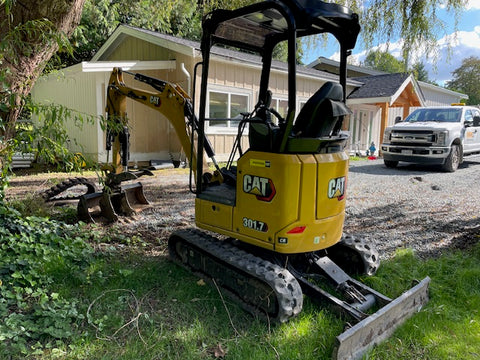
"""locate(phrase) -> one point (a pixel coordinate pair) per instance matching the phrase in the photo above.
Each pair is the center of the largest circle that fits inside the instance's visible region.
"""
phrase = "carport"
(387, 91)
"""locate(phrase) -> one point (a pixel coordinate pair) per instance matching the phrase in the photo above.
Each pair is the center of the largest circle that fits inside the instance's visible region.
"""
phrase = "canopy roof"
(255, 26)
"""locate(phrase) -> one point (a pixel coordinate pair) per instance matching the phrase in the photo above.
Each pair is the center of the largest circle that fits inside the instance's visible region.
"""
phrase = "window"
(225, 109)
(281, 106)
(468, 115)
(435, 114)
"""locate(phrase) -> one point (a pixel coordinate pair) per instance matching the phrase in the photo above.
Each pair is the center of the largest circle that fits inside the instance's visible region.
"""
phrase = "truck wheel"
(453, 159)
(390, 163)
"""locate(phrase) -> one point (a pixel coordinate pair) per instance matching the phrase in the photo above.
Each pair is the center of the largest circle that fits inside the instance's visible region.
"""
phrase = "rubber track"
(49, 195)
(280, 281)
(368, 254)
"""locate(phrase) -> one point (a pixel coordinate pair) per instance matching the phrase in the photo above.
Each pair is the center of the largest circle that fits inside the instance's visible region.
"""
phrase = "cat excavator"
(269, 226)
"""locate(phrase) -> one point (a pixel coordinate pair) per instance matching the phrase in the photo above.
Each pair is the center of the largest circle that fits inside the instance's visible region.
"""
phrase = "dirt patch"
(171, 204)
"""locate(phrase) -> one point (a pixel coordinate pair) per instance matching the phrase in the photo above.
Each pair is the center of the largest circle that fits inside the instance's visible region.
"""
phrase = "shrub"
(37, 255)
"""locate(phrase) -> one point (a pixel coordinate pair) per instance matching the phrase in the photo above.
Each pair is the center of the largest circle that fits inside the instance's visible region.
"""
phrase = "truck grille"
(412, 137)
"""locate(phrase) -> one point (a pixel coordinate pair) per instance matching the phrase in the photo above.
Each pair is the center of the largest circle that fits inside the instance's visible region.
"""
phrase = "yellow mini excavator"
(280, 211)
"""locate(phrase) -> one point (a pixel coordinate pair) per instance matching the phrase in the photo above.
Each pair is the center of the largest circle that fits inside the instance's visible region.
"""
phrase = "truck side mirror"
(398, 119)
(476, 121)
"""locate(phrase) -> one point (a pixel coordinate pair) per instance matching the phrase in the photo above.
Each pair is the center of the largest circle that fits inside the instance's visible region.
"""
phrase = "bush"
(37, 255)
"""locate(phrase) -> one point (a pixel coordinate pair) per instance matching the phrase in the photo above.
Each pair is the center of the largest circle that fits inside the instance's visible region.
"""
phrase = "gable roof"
(192, 48)
(387, 88)
(180, 45)
(330, 65)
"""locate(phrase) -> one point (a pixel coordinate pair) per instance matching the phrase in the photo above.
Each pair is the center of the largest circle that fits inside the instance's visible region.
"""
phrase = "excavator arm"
(169, 99)
(119, 197)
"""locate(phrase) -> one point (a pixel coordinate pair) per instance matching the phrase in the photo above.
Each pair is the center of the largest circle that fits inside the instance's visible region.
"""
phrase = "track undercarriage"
(269, 285)
(258, 286)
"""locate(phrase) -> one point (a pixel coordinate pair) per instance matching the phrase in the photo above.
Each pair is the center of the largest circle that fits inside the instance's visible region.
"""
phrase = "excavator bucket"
(95, 205)
(134, 194)
(355, 341)
(127, 201)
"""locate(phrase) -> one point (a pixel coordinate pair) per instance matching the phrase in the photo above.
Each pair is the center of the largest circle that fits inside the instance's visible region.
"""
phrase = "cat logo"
(155, 100)
(261, 187)
(336, 188)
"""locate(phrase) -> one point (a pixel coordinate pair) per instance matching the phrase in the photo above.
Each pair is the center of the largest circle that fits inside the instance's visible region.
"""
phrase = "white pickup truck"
(433, 135)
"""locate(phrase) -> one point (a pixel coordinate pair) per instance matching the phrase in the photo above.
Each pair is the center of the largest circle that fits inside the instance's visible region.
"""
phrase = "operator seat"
(320, 119)
(322, 114)
(264, 134)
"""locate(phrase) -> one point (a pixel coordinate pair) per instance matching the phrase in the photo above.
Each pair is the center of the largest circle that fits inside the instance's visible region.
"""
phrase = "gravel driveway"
(414, 206)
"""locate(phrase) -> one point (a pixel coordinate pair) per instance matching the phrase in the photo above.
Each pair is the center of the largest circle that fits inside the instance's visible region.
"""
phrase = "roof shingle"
(378, 85)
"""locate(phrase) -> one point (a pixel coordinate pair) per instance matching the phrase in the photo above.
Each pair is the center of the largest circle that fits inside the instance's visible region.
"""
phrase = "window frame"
(229, 91)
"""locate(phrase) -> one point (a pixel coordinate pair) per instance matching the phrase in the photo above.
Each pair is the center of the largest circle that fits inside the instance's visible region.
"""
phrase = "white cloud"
(450, 52)
(473, 5)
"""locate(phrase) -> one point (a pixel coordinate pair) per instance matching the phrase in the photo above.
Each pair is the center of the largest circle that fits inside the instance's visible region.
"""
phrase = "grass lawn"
(138, 307)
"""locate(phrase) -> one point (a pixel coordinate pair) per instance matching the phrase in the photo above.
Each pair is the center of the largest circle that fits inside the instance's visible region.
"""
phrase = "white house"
(233, 88)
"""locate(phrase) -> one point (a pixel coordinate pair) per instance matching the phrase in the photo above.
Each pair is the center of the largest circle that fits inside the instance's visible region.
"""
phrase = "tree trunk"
(27, 52)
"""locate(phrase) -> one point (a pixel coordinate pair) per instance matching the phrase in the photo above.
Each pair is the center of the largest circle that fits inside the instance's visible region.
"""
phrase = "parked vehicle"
(434, 135)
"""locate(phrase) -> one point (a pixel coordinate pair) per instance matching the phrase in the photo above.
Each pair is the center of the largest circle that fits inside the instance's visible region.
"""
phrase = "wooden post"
(384, 120)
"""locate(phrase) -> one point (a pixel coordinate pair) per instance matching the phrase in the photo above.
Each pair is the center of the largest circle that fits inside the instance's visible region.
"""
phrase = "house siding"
(436, 98)
(75, 91)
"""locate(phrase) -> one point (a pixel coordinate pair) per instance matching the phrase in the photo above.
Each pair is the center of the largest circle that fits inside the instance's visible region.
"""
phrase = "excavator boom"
(119, 197)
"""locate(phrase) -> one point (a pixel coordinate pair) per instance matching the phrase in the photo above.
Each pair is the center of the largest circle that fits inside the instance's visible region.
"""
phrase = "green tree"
(465, 79)
(415, 22)
(99, 20)
(419, 72)
(31, 31)
(383, 61)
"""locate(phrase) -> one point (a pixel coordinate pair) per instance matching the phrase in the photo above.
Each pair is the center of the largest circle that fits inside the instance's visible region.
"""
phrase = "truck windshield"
(437, 115)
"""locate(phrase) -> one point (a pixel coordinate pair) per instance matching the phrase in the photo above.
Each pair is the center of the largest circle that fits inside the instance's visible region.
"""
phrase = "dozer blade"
(355, 341)
(95, 205)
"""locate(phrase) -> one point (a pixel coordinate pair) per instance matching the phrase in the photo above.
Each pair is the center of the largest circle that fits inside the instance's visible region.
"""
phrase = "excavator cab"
(280, 210)
(289, 194)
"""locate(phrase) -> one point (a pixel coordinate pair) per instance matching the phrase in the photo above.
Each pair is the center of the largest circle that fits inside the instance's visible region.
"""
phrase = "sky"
(464, 43)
